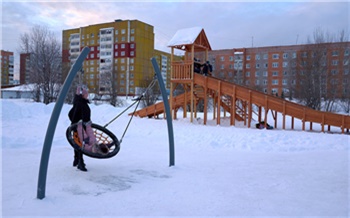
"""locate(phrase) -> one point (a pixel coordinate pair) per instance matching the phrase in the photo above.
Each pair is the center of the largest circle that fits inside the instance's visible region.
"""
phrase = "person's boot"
(81, 166)
(76, 159)
(75, 162)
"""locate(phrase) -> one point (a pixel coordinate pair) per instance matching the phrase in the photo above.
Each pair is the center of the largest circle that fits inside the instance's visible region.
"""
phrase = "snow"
(223, 170)
(185, 36)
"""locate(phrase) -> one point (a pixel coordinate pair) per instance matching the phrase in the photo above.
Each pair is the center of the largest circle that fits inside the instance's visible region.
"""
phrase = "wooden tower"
(189, 41)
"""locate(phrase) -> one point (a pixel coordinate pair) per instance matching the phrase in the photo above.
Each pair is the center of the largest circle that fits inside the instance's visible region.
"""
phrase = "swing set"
(102, 134)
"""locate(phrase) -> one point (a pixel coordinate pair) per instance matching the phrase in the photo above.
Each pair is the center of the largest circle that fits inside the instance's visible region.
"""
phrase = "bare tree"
(45, 62)
(316, 83)
(151, 92)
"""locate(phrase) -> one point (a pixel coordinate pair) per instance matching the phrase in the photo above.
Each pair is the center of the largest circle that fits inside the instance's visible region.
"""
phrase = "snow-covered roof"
(25, 88)
(185, 36)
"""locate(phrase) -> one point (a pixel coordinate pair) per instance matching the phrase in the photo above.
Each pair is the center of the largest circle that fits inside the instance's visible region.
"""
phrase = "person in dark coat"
(80, 112)
(207, 68)
(197, 66)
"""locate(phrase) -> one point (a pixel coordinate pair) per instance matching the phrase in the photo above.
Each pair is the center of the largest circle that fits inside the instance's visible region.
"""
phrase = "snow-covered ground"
(219, 170)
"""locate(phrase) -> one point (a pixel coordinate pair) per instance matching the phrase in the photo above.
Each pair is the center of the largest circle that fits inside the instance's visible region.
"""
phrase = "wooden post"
(191, 104)
(219, 103)
(284, 115)
(233, 106)
(205, 100)
(171, 83)
(250, 109)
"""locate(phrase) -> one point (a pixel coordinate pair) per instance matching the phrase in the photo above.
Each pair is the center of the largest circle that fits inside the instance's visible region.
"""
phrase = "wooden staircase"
(225, 93)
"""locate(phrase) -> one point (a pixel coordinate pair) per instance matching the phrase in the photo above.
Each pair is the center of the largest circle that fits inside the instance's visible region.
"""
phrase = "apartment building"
(24, 68)
(278, 69)
(119, 58)
(7, 68)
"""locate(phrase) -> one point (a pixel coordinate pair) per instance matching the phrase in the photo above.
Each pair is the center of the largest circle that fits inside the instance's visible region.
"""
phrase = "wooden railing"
(270, 102)
(182, 70)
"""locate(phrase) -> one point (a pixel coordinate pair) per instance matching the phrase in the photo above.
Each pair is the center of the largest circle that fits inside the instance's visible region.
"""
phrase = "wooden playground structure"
(236, 100)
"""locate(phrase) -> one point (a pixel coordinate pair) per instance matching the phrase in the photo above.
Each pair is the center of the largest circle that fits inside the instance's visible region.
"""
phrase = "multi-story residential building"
(7, 68)
(24, 68)
(119, 57)
(278, 69)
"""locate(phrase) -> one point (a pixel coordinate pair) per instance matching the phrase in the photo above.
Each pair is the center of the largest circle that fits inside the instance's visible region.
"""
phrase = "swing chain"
(137, 100)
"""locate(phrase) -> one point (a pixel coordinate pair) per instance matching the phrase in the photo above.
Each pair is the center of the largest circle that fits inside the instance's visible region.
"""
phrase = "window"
(92, 55)
(257, 65)
(116, 39)
(132, 31)
(92, 35)
(222, 66)
(247, 66)
(132, 45)
(335, 53)
(92, 48)
(122, 46)
(132, 38)
(131, 68)
(92, 41)
(257, 74)
(132, 53)
(92, 69)
(222, 58)
(346, 53)
(248, 57)
(231, 58)
(265, 56)
(247, 74)
(285, 73)
(285, 64)
(122, 53)
(285, 55)
(294, 55)
(335, 62)
(116, 46)
(265, 82)
(266, 65)
(122, 60)
(131, 60)
(92, 76)
(274, 82)
(304, 54)
(284, 82)
(122, 68)
(257, 57)
(275, 64)
(275, 56)
(116, 54)
(345, 62)
(123, 31)
(265, 73)
(123, 39)
(274, 73)
(116, 32)
(257, 82)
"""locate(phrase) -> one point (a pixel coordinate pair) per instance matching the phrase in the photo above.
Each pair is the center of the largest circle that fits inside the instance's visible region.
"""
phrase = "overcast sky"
(227, 24)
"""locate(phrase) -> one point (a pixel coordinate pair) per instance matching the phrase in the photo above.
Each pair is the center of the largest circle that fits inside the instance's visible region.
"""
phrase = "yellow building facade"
(119, 58)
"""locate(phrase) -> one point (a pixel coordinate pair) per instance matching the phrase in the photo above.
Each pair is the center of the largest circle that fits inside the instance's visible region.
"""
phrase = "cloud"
(227, 24)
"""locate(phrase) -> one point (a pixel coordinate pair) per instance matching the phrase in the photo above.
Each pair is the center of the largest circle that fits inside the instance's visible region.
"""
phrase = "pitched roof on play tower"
(190, 36)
